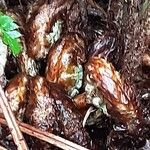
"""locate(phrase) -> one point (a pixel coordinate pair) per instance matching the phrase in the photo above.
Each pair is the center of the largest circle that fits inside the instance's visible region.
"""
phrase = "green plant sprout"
(9, 34)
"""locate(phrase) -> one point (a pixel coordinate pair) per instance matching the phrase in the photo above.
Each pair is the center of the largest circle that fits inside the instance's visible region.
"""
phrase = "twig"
(89, 111)
(2, 148)
(11, 122)
(46, 136)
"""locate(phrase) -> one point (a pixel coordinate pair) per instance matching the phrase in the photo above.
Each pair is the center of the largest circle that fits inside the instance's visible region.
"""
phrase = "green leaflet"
(14, 44)
(13, 34)
(9, 34)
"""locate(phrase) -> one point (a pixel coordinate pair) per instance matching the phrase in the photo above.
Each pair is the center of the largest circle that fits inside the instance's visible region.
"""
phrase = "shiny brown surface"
(64, 61)
(51, 110)
(16, 93)
(117, 94)
(81, 101)
(27, 65)
(108, 43)
(116, 31)
(40, 24)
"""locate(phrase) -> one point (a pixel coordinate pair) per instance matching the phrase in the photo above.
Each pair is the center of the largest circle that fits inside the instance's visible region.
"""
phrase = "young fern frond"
(9, 34)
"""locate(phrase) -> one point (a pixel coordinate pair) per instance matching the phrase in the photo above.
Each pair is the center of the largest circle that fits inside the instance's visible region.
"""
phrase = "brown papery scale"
(27, 65)
(65, 62)
(15, 91)
(117, 94)
(50, 109)
(108, 41)
(42, 24)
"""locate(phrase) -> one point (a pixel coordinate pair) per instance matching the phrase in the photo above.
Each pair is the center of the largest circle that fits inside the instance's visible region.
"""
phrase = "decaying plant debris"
(78, 69)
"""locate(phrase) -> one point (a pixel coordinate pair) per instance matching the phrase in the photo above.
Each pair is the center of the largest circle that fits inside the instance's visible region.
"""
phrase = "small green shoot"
(9, 34)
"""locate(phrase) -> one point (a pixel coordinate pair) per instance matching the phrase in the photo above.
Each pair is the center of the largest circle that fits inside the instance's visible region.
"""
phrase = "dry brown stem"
(11, 122)
(46, 136)
(2, 148)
